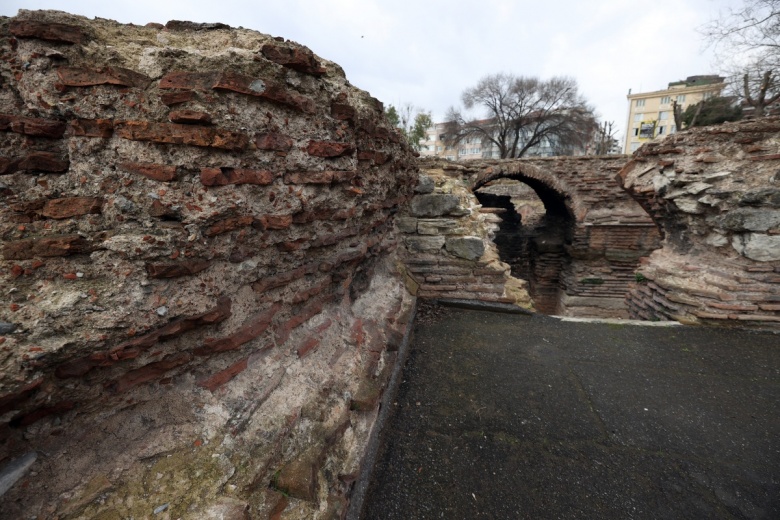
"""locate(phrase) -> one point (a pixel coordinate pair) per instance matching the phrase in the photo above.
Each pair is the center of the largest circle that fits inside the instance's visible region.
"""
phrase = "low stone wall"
(715, 192)
(200, 310)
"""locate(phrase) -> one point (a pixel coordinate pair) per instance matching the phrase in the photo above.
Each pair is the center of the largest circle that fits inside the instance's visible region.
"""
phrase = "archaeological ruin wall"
(199, 307)
(715, 193)
(581, 264)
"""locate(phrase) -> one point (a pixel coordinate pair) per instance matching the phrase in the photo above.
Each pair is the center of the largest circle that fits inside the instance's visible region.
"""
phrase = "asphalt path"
(510, 416)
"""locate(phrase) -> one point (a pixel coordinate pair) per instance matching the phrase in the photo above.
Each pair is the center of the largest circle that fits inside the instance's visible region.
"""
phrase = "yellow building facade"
(650, 114)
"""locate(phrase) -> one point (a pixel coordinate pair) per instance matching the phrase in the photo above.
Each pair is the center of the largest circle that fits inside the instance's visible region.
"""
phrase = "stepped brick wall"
(715, 192)
(199, 311)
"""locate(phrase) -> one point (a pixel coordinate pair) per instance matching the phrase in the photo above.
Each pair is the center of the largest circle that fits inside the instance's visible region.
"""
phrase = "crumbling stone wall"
(447, 250)
(583, 271)
(588, 267)
(199, 311)
(715, 193)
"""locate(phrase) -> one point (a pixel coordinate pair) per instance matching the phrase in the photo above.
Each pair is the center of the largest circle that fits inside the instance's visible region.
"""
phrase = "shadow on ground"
(510, 416)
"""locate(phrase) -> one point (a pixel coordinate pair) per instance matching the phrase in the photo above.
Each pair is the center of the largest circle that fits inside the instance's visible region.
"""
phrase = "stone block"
(62, 245)
(425, 184)
(439, 227)
(470, 248)
(91, 128)
(32, 126)
(757, 246)
(406, 224)
(44, 162)
(223, 376)
(750, 219)
(424, 244)
(434, 205)
(175, 270)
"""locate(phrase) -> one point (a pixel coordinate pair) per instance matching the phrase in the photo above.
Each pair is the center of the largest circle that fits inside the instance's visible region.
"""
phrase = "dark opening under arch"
(536, 248)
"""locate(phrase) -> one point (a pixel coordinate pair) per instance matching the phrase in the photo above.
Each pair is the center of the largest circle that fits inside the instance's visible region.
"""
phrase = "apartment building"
(650, 113)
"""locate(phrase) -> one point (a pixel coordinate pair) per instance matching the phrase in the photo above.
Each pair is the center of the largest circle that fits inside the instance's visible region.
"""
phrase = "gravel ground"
(510, 416)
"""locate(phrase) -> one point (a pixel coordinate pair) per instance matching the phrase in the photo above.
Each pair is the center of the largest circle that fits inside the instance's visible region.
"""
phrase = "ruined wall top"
(585, 184)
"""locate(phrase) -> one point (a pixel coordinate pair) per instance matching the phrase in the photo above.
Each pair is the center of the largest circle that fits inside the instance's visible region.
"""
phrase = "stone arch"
(557, 196)
(604, 231)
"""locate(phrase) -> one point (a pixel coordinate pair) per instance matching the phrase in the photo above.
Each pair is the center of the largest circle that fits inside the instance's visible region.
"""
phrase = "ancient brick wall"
(585, 270)
(198, 310)
(715, 193)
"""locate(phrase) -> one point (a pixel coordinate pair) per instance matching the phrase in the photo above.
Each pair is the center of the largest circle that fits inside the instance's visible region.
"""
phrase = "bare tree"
(521, 113)
(605, 138)
(747, 42)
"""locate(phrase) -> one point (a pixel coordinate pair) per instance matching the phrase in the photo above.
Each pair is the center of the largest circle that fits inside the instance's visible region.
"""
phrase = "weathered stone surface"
(439, 226)
(406, 224)
(750, 219)
(424, 244)
(470, 248)
(425, 184)
(434, 205)
(758, 246)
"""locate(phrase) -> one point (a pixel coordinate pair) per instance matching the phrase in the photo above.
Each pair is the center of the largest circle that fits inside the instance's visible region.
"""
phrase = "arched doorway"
(534, 228)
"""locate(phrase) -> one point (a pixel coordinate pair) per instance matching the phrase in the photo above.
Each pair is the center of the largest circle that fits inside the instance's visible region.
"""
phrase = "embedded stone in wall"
(435, 205)
(470, 248)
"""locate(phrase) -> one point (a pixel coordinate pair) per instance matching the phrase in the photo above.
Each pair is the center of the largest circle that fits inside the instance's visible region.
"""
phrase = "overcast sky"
(426, 52)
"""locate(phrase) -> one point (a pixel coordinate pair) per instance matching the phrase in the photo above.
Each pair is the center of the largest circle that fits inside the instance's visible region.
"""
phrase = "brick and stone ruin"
(212, 245)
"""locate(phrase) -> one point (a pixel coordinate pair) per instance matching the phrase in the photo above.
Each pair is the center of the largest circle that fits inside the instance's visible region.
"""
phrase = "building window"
(660, 130)
(636, 132)
(681, 98)
(673, 129)
(707, 95)
(640, 102)
(438, 148)
(665, 100)
(635, 146)
(663, 116)
(638, 117)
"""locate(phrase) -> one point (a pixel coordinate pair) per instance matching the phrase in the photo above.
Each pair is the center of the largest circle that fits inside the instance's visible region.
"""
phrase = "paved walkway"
(510, 416)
